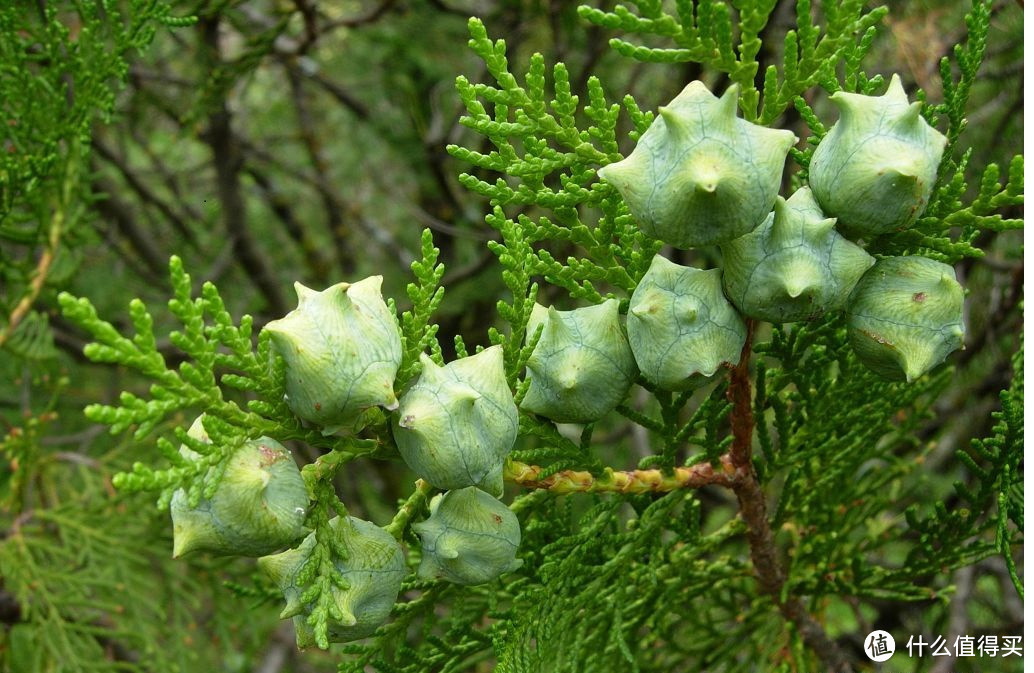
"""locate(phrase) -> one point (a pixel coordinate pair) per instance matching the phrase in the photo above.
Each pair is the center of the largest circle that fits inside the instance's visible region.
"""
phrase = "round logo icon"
(879, 645)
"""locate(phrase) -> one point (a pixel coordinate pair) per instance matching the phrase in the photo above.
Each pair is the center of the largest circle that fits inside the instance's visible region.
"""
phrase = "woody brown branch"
(227, 157)
(754, 511)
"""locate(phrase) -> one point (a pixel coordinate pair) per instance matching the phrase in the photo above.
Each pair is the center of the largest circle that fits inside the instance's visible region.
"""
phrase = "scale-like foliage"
(85, 599)
(703, 33)
(61, 70)
(71, 584)
(629, 576)
(990, 498)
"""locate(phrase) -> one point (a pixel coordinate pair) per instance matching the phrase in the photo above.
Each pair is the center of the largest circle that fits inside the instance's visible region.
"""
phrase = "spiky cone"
(258, 507)
(700, 175)
(342, 349)
(455, 426)
(793, 267)
(905, 316)
(370, 567)
(681, 327)
(582, 366)
(469, 538)
(876, 168)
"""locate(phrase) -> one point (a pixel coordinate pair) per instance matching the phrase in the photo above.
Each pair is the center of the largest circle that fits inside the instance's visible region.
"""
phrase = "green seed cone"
(793, 267)
(681, 327)
(258, 507)
(905, 316)
(371, 568)
(875, 169)
(581, 367)
(342, 349)
(700, 175)
(470, 538)
(457, 423)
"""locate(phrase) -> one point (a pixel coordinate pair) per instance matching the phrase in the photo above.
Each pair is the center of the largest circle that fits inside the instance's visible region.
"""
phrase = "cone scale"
(469, 538)
(258, 507)
(681, 327)
(372, 570)
(581, 367)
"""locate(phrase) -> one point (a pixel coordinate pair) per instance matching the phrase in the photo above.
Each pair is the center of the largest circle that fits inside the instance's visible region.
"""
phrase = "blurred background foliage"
(271, 141)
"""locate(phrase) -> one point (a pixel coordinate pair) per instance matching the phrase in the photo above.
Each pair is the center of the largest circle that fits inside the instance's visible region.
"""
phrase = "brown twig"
(114, 210)
(336, 91)
(35, 287)
(227, 157)
(754, 510)
(369, 17)
(169, 179)
(10, 609)
(958, 615)
(317, 262)
(617, 481)
(742, 417)
(54, 233)
(341, 233)
(144, 192)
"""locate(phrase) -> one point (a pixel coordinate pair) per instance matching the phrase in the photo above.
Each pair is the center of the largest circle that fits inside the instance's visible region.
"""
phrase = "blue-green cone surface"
(581, 367)
(681, 327)
(793, 267)
(258, 507)
(875, 169)
(456, 424)
(905, 316)
(342, 349)
(700, 175)
(470, 538)
(370, 571)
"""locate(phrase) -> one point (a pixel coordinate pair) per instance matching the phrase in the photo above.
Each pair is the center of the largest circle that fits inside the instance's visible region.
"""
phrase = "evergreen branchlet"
(809, 463)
